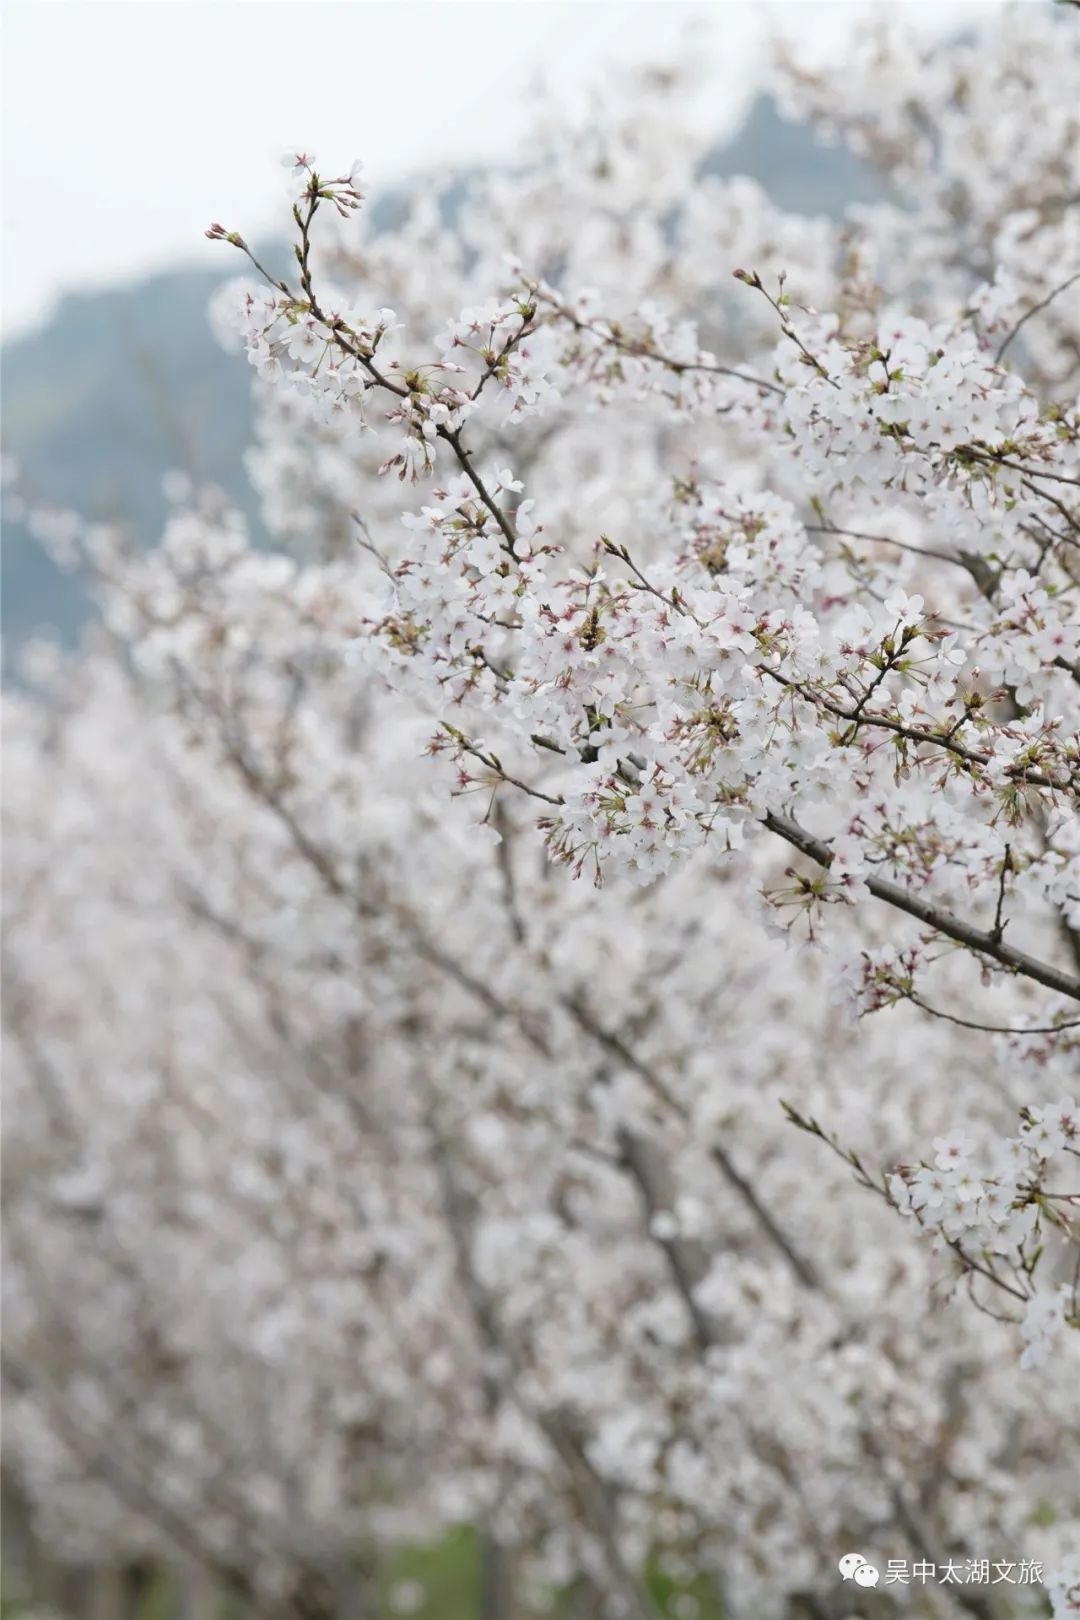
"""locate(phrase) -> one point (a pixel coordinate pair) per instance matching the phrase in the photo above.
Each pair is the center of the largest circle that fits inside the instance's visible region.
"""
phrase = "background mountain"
(122, 385)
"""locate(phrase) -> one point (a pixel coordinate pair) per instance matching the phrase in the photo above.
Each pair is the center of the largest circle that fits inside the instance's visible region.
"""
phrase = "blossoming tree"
(385, 1177)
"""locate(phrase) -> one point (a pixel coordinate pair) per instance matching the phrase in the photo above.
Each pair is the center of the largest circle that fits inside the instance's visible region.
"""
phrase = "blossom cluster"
(996, 1219)
(751, 594)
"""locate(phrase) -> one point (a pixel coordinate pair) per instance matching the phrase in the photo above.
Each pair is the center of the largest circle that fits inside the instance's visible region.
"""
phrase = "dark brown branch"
(935, 917)
(639, 349)
(857, 718)
(990, 1029)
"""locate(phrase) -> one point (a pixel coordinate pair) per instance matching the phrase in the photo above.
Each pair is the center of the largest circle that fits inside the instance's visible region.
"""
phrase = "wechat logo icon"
(854, 1567)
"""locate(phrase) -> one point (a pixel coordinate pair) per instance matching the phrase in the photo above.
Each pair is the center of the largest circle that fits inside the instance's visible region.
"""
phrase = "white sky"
(128, 125)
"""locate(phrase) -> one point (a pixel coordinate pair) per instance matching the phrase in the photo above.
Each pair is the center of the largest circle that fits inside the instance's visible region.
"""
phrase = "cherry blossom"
(375, 1175)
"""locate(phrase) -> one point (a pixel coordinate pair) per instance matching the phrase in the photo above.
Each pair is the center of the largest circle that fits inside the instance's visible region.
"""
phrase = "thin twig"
(1036, 309)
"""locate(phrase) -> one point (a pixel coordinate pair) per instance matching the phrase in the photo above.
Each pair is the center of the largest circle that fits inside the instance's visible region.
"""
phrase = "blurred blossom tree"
(368, 1174)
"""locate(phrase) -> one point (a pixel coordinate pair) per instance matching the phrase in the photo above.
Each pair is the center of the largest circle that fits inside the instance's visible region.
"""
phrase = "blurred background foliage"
(116, 389)
(444, 1581)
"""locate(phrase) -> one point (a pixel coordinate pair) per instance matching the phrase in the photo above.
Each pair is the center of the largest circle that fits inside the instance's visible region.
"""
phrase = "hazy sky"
(129, 124)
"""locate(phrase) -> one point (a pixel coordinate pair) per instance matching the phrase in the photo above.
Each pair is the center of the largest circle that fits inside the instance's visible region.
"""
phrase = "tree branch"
(943, 922)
